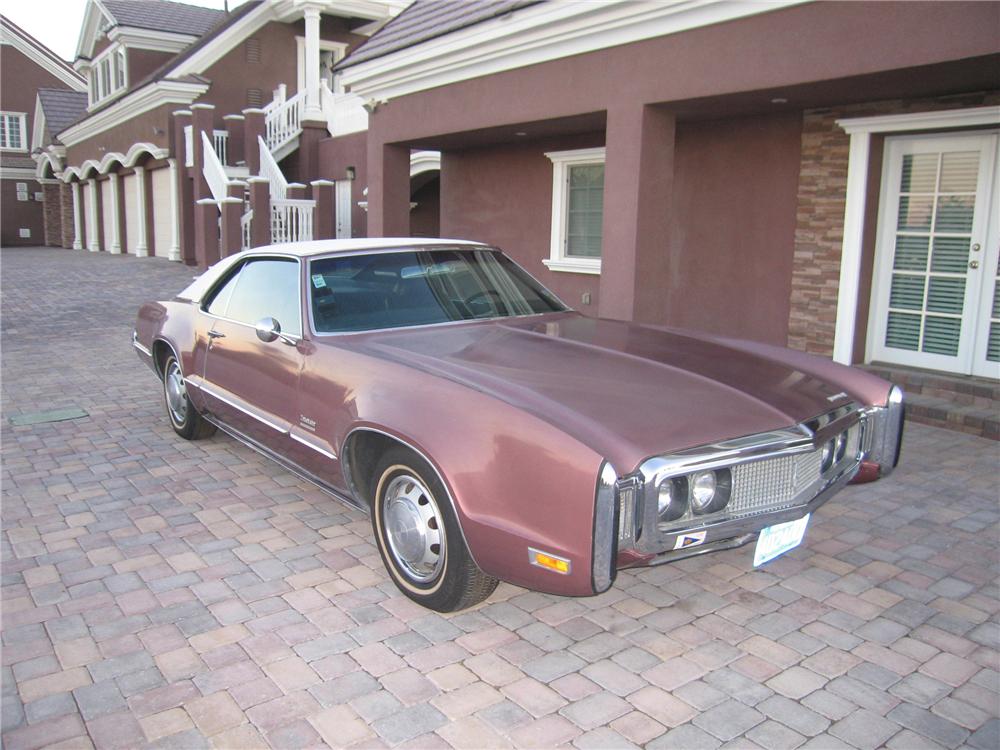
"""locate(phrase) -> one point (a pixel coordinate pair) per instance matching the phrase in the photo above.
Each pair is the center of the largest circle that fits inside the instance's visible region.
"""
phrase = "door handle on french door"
(973, 264)
(216, 335)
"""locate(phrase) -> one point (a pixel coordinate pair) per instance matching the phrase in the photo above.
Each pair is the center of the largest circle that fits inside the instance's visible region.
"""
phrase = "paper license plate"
(777, 540)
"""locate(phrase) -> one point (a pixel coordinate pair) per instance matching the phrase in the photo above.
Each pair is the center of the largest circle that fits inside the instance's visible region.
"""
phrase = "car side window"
(265, 288)
(220, 298)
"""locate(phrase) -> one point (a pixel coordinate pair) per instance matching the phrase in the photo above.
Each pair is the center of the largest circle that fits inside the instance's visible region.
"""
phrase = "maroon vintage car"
(493, 433)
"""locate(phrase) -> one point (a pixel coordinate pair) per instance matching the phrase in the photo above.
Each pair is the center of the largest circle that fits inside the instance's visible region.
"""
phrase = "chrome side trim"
(309, 444)
(214, 393)
(345, 463)
(140, 347)
(294, 468)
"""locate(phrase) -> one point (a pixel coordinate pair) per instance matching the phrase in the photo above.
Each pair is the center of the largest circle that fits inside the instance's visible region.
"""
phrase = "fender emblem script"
(309, 424)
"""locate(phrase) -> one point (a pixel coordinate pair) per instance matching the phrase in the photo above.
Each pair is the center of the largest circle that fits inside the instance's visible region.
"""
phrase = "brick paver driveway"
(192, 594)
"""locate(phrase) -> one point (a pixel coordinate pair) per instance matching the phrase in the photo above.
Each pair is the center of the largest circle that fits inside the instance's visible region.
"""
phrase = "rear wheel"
(419, 537)
(184, 418)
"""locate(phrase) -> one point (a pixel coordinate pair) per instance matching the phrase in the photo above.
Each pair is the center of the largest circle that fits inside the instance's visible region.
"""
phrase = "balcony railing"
(220, 145)
(292, 220)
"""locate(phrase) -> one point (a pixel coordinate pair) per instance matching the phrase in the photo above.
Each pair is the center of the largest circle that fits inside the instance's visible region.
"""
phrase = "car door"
(250, 384)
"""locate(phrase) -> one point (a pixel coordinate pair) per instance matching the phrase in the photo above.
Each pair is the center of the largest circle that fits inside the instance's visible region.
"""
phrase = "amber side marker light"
(549, 562)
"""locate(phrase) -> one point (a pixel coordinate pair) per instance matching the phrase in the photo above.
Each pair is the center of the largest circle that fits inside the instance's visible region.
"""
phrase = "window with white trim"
(577, 210)
(13, 131)
(108, 74)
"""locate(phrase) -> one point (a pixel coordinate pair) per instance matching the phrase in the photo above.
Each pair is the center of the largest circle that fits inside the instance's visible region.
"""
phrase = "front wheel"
(419, 537)
(184, 418)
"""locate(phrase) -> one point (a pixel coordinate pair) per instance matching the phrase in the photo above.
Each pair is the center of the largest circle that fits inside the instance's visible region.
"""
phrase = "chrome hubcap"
(414, 528)
(173, 385)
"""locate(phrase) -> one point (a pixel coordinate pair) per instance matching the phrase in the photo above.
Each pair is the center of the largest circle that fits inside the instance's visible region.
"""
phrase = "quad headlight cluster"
(701, 493)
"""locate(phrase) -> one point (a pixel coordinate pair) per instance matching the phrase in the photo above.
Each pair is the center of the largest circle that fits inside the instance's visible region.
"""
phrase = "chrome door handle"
(216, 335)
(973, 264)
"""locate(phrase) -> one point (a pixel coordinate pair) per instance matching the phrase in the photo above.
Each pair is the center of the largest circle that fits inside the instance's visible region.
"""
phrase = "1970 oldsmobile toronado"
(493, 433)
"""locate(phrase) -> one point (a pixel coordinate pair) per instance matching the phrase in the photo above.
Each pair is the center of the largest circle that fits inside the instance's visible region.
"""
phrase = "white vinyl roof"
(196, 290)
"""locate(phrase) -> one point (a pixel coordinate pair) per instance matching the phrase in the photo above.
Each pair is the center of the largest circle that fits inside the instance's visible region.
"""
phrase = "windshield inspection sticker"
(318, 281)
(690, 540)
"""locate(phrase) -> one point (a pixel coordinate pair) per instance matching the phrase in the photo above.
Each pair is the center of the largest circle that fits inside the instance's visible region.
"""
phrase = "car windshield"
(412, 288)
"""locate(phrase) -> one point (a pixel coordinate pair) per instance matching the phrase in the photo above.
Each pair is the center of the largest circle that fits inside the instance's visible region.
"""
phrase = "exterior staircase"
(954, 402)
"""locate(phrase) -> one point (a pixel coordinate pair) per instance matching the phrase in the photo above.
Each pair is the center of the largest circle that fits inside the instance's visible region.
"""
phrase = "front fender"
(515, 481)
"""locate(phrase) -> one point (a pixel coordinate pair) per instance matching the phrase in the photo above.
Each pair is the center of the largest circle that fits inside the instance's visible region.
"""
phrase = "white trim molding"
(424, 161)
(18, 173)
(536, 34)
(562, 162)
(860, 129)
(103, 166)
(157, 41)
(132, 105)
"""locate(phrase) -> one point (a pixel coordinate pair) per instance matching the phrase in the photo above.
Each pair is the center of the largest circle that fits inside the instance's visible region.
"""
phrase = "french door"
(936, 302)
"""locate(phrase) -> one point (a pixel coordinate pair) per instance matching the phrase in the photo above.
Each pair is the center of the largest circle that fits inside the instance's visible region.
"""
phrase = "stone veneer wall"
(52, 215)
(822, 195)
(66, 200)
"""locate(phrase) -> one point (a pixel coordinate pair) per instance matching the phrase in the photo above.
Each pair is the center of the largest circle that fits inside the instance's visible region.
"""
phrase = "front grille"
(773, 482)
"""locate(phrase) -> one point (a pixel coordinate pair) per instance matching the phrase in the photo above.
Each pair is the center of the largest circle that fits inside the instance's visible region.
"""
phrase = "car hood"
(630, 391)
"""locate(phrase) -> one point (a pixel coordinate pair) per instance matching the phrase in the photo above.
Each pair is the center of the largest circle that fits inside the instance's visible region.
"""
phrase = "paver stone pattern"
(163, 593)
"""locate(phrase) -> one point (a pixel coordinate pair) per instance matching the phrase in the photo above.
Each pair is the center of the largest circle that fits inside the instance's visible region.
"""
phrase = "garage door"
(163, 231)
(129, 186)
(108, 217)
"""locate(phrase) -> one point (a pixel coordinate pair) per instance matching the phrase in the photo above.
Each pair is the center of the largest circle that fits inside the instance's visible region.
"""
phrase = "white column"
(116, 239)
(314, 110)
(93, 241)
(141, 247)
(174, 253)
(77, 218)
(850, 254)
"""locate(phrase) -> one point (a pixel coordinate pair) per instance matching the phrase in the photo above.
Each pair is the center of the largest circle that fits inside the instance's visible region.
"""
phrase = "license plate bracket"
(778, 539)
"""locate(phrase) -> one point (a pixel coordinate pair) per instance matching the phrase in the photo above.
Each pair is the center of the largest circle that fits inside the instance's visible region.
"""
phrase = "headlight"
(710, 490)
(671, 499)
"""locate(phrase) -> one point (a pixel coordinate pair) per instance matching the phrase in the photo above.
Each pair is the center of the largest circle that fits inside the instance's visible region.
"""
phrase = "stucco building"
(28, 67)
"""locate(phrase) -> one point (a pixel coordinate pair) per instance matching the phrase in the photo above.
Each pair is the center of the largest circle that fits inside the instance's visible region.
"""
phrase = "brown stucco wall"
(150, 127)
(425, 218)
(20, 79)
(732, 226)
(17, 214)
(335, 156)
(503, 196)
(821, 198)
(142, 62)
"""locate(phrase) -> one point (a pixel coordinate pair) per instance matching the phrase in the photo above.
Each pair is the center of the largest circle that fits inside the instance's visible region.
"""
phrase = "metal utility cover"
(52, 415)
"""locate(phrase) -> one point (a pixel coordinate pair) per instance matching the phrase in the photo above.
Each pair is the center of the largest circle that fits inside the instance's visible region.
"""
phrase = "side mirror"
(268, 330)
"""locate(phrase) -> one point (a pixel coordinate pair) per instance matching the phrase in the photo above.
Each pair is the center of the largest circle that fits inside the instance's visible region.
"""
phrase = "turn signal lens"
(549, 562)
